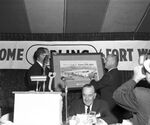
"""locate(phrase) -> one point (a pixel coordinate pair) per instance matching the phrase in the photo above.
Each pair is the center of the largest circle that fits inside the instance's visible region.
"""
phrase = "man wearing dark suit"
(110, 81)
(39, 68)
(90, 103)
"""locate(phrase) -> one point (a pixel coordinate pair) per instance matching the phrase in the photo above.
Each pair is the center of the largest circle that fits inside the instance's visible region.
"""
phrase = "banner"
(19, 54)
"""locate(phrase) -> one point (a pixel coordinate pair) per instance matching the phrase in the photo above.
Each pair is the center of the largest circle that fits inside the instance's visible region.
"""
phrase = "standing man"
(89, 102)
(110, 81)
(39, 68)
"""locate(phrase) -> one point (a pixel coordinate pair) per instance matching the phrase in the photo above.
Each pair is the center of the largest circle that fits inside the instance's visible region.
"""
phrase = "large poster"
(73, 70)
(19, 54)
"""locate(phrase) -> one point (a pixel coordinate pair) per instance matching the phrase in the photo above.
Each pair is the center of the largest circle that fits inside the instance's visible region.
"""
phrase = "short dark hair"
(38, 52)
(88, 86)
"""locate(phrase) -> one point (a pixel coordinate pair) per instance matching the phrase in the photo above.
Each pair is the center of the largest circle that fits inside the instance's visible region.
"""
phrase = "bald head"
(111, 61)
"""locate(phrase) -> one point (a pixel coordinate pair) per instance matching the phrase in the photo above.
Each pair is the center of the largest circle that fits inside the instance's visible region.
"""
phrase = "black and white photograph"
(74, 62)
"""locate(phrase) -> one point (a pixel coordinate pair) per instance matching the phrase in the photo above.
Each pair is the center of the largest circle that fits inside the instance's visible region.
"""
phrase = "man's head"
(111, 61)
(142, 72)
(88, 94)
(148, 77)
(147, 69)
(40, 54)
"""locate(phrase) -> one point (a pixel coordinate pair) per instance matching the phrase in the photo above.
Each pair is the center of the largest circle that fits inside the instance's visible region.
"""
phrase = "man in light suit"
(89, 103)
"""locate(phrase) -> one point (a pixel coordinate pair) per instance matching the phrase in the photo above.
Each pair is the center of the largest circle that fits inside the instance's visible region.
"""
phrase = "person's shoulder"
(114, 70)
(142, 91)
(101, 101)
(114, 73)
(143, 98)
(35, 66)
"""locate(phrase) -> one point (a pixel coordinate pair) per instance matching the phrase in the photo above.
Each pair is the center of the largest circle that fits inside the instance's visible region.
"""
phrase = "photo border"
(62, 81)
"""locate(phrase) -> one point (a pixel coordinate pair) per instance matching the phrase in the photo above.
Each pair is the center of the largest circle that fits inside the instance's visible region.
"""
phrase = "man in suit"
(89, 103)
(110, 81)
(39, 68)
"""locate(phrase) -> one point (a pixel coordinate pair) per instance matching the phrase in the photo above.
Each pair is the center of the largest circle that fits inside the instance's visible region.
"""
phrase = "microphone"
(64, 83)
(46, 63)
(63, 78)
(46, 60)
(59, 88)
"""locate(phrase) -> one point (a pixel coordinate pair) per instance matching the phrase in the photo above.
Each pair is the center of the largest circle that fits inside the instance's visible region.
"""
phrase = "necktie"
(88, 109)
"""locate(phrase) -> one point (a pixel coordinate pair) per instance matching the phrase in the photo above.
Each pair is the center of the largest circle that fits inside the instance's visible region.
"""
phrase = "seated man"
(89, 102)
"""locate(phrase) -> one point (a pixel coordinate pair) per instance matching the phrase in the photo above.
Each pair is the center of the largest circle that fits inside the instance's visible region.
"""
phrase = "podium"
(38, 108)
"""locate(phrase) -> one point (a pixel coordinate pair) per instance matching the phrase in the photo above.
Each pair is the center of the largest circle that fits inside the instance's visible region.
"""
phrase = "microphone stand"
(44, 67)
(66, 95)
(51, 77)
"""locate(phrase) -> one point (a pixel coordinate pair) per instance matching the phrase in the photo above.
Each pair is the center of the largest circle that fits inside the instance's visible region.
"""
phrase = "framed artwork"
(72, 70)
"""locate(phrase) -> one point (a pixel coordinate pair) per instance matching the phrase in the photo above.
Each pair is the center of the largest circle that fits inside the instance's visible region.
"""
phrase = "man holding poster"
(108, 84)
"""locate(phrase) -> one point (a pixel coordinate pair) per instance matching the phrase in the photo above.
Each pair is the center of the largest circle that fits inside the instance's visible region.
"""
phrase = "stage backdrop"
(19, 54)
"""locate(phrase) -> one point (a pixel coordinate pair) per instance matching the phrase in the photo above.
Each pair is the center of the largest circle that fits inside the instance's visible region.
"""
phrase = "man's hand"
(92, 75)
(101, 122)
(138, 75)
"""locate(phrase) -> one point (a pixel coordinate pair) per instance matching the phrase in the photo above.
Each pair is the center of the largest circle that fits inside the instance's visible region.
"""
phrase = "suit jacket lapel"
(82, 107)
(95, 107)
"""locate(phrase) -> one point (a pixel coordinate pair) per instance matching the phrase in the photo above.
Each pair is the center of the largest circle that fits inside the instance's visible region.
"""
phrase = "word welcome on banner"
(19, 54)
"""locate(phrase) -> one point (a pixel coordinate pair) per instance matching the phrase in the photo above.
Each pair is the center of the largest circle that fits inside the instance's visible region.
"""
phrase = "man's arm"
(124, 95)
(104, 81)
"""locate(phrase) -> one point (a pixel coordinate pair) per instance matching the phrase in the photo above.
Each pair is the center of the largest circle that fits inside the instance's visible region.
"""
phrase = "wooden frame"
(72, 70)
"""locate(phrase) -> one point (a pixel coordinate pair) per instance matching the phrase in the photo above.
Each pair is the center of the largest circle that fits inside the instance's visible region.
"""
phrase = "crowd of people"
(108, 98)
